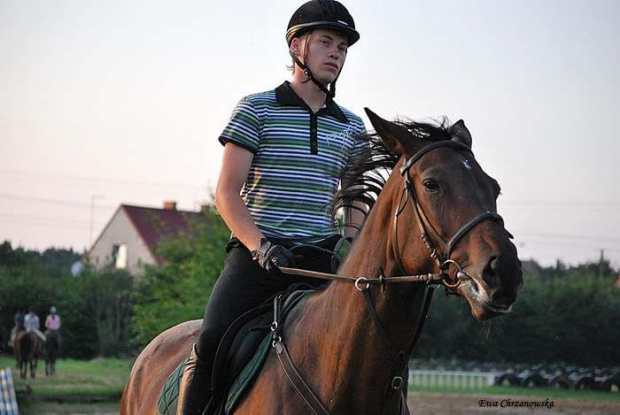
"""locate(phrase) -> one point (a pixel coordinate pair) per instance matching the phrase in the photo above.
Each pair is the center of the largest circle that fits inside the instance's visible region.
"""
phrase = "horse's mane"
(371, 164)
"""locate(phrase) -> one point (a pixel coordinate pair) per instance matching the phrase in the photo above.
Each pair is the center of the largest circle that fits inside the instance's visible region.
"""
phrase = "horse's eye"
(431, 185)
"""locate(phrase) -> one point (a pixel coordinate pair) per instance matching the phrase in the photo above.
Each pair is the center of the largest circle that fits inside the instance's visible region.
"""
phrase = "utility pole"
(92, 216)
(601, 262)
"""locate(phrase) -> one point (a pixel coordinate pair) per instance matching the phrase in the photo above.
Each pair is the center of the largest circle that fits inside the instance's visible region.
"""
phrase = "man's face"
(325, 52)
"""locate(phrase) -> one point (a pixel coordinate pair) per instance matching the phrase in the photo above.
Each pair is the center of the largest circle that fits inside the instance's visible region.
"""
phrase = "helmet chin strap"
(331, 92)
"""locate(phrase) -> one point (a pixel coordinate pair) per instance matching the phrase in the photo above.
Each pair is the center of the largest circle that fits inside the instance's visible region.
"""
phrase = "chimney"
(170, 205)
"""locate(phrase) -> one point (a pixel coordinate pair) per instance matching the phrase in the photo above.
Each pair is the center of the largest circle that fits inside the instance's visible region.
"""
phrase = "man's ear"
(296, 46)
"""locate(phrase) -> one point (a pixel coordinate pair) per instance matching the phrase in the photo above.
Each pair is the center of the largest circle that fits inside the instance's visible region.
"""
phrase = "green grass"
(521, 391)
(101, 377)
(34, 407)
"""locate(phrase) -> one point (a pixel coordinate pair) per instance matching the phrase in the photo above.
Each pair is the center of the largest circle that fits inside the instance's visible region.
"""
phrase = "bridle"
(441, 257)
(392, 398)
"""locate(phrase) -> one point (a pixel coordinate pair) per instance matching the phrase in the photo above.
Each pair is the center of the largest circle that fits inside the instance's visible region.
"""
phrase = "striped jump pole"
(8, 401)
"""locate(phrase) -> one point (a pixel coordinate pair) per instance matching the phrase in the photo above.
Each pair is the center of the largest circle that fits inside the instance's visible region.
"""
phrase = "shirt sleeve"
(361, 147)
(243, 128)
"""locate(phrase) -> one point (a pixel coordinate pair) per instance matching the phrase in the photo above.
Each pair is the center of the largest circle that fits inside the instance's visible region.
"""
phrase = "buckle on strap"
(397, 382)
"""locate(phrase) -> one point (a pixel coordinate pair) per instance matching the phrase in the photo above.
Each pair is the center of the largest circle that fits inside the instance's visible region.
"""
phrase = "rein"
(358, 281)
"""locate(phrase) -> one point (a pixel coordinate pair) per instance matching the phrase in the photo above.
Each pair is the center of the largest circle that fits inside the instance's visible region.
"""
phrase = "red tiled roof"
(154, 224)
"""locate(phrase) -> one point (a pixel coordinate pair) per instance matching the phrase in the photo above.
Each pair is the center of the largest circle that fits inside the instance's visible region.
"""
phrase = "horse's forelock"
(371, 167)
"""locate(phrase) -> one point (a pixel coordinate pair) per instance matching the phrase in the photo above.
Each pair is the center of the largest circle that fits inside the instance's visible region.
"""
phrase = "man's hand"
(271, 257)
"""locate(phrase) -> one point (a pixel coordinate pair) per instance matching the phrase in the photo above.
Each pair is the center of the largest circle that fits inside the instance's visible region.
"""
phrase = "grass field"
(82, 387)
(76, 377)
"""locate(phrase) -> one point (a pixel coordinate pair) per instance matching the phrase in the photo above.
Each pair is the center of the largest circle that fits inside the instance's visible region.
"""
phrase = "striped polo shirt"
(299, 158)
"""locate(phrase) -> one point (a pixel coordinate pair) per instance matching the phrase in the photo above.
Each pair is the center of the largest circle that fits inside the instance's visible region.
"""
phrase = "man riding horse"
(18, 320)
(53, 343)
(33, 324)
(273, 140)
(285, 153)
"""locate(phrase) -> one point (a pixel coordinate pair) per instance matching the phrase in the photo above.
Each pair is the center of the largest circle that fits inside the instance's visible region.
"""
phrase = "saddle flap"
(238, 348)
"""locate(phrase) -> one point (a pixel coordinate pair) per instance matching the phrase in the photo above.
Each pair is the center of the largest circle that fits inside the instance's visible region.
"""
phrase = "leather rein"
(394, 395)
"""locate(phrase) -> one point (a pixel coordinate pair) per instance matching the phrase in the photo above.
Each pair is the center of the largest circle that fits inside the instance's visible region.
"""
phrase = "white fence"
(451, 379)
(8, 402)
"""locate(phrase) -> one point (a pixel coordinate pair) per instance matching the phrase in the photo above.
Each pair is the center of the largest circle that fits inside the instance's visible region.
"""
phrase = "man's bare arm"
(235, 167)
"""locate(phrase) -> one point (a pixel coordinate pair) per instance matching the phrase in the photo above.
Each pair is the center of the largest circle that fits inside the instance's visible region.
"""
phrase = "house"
(131, 237)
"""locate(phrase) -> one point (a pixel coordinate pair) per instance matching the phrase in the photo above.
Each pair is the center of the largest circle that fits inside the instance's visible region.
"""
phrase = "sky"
(111, 102)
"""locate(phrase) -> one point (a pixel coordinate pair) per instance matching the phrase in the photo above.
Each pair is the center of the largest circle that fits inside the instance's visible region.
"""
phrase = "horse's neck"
(397, 305)
(344, 323)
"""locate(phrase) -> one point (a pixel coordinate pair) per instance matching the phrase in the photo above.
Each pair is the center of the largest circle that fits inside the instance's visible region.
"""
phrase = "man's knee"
(208, 340)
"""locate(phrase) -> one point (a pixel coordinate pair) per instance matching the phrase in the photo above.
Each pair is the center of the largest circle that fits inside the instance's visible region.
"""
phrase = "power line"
(555, 203)
(86, 179)
(74, 228)
(567, 236)
(528, 244)
(52, 201)
(25, 219)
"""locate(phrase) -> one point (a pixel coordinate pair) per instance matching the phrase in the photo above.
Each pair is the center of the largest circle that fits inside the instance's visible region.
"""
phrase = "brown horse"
(435, 215)
(28, 350)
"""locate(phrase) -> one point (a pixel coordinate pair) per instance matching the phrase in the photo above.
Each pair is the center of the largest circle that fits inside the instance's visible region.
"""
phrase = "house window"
(119, 256)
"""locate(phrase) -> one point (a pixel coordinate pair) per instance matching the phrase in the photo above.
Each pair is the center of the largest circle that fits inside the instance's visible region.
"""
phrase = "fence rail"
(8, 401)
(451, 379)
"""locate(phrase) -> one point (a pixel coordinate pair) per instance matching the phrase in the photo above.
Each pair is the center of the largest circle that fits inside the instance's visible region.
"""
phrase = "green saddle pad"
(168, 399)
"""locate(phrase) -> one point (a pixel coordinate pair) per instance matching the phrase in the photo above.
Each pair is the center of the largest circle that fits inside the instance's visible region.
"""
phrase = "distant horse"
(3, 340)
(350, 344)
(28, 350)
(52, 350)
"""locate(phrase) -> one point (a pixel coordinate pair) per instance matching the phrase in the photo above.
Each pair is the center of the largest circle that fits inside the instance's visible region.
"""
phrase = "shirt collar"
(285, 95)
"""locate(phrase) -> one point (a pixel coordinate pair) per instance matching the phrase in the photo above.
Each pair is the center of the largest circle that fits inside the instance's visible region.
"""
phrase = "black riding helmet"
(321, 14)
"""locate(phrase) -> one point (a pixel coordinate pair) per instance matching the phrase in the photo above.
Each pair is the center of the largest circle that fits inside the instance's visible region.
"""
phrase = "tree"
(177, 290)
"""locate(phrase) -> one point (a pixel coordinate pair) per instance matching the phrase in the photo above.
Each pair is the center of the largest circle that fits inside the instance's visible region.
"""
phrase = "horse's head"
(447, 211)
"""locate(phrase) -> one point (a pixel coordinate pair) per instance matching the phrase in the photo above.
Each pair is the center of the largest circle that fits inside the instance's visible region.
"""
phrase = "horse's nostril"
(490, 271)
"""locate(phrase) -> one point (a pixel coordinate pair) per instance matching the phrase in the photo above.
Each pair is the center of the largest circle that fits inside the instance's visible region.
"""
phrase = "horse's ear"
(393, 135)
(460, 133)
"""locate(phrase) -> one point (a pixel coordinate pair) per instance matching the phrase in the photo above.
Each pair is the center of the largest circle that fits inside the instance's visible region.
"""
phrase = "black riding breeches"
(244, 285)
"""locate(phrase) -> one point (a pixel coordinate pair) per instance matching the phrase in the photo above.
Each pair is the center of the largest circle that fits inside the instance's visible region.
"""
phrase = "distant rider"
(32, 323)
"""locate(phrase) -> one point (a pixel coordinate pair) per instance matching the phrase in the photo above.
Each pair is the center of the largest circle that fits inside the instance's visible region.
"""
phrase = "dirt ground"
(440, 404)
(419, 404)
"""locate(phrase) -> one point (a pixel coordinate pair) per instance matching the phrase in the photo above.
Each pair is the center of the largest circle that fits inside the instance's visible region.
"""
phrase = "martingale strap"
(290, 371)
(297, 381)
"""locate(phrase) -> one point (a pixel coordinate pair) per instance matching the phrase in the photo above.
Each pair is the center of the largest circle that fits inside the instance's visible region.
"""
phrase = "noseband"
(424, 224)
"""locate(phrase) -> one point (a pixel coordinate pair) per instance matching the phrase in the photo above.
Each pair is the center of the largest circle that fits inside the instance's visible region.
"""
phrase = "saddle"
(240, 355)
